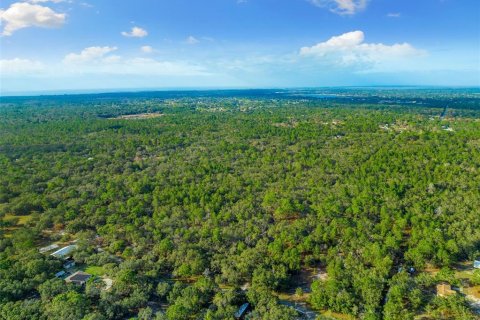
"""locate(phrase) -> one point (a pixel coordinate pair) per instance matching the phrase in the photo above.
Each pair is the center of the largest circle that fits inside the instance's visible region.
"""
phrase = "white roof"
(60, 253)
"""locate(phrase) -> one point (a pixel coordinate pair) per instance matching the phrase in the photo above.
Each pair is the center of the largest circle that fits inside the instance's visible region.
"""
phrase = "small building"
(241, 311)
(79, 278)
(476, 263)
(69, 263)
(60, 274)
(444, 290)
(48, 248)
(64, 252)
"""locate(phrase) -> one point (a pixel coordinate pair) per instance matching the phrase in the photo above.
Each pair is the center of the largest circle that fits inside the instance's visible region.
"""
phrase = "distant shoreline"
(73, 92)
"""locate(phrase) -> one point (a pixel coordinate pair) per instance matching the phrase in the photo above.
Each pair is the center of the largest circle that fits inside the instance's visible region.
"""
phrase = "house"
(79, 278)
(241, 311)
(476, 263)
(69, 263)
(48, 248)
(64, 252)
(444, 290)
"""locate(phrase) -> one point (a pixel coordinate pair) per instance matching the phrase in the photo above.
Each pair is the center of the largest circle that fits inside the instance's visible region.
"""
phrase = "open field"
(139, 116)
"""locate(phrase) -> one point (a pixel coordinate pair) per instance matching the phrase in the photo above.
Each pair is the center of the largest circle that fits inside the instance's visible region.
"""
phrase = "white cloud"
(99, 60)
(86, 5)
(23, 15)
(91, 54)
(342, 7)
(136, 32)
(141, 67)
(191, 40)
(146, 49)
(19, 66)
(394, 15)
(145, 66)
(350, 49)
(40, 1)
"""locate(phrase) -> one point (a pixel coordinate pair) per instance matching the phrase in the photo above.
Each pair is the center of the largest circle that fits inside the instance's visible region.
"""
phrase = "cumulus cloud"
(342, 7)
(349, 49)
(146, 49)
(40, 1)
(91, 54)
(394, 15)
(23, 15)
(191, 40)
(19, 66)
(99, 60)
(136, 32)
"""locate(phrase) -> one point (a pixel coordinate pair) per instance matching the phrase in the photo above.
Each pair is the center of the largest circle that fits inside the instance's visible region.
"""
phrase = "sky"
(55, 45)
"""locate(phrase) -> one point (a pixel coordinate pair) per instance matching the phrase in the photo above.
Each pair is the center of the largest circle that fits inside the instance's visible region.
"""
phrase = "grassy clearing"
(431, 270)
(95, 270)
(473, 291)
(139, 116)
(15, 223)
(336, 315)
(20, 220)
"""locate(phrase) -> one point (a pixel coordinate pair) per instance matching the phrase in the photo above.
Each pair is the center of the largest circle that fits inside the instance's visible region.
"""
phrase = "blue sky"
(128, 44)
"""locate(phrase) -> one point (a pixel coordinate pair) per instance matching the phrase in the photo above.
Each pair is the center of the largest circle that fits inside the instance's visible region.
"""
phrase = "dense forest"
(189, 205)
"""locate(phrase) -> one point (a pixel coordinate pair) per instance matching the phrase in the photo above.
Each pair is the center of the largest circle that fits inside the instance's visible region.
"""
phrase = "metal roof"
(78, 276)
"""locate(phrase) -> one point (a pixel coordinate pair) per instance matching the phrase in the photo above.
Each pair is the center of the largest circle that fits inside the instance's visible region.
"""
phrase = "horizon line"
(74, 92)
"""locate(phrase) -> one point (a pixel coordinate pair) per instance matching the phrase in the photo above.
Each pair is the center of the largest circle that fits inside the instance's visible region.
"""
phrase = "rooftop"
(242, 310)
(78, 276)
(60, 253)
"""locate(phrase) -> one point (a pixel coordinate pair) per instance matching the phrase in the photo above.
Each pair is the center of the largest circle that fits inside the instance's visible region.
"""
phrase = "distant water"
(435, 97)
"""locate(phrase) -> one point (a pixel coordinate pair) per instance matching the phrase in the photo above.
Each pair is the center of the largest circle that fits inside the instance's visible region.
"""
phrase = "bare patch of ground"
(139, 116)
